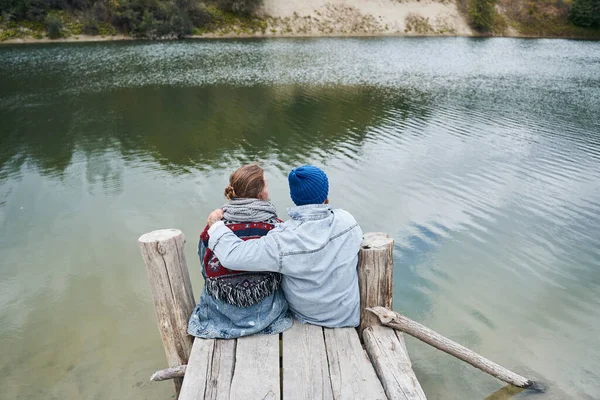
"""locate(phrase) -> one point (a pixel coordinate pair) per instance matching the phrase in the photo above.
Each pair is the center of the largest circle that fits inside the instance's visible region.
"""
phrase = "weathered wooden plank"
(398, 321)
(198, 369)
(392, 363)
(221, 373)
(375, 275)
(169, 279)
(305, 369)
(400, 336)
(210, 370)
(352, 375)
(256, 371)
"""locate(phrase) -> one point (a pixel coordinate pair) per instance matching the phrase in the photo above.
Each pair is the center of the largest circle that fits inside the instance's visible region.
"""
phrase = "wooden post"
(386, 350)
(400, 322)
(375, 273)
(169, 279)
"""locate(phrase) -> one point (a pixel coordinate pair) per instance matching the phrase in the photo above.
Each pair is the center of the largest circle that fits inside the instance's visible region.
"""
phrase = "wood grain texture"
(210, 370)
(198, 370)
(256, 371)
(392, 363)
(375, 275)
(421, 332)
(169, 280)
(352, 375)
(219, 380)
(305, 369)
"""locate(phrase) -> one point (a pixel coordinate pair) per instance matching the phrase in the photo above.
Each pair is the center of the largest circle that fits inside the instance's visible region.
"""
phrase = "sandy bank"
(397, 17)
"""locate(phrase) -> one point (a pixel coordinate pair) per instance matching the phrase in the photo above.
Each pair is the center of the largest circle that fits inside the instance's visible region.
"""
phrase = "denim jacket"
(317, 253)
(214, 318)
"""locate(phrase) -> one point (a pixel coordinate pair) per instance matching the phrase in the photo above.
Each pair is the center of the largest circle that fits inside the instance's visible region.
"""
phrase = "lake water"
(481, 157)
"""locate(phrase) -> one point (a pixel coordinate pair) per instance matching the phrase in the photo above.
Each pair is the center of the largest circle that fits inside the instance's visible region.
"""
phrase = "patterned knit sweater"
(239, 288)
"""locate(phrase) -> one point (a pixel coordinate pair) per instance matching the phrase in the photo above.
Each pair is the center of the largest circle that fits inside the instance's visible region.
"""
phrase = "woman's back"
(239, 303)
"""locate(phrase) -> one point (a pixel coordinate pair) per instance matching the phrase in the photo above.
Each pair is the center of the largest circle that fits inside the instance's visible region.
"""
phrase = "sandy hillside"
(326, 17)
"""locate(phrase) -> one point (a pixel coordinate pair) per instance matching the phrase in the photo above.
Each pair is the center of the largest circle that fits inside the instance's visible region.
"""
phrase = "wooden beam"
(352, 375)
(421, 332)
(392, 363)
(256, 371)
(305, 369)
(169, 373)
(375, 275)
(169, 279)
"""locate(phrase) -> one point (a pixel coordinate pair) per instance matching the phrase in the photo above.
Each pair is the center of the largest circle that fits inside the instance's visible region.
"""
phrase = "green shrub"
(586, 13)
(90, 26)
(246, 7)
(9, 34)
(54, 26)
(77, 5)
(199, 14)
(34, 10)
(100, 12)
(73, 27)
(106, 29)
(5, 15)
(481, 15)
(148, 26)
(180, 25)
(500, 24)
(126, 19)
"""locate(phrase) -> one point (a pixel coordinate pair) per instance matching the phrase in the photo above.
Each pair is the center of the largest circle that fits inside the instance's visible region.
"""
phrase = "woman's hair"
(246, 182)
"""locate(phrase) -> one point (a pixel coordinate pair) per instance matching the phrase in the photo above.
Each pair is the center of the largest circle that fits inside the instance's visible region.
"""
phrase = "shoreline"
(334, 18)
(121, 38)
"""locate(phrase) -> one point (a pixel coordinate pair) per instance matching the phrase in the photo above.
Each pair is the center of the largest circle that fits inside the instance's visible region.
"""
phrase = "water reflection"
(196, 128)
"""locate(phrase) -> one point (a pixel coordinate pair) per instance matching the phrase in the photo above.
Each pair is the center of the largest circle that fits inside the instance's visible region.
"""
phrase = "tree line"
(140, 18)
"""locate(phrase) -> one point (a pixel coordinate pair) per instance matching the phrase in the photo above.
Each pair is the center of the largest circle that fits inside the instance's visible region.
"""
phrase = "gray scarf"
(247, 210)
(247, 288)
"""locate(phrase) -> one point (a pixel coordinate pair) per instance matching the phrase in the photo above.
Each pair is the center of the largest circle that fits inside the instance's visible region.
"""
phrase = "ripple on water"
(481, 157)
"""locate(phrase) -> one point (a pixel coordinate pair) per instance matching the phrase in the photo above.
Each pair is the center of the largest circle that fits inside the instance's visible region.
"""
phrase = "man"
(316, 251)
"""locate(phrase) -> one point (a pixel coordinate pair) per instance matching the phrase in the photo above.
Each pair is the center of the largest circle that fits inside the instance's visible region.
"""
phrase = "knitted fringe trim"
(235, 294)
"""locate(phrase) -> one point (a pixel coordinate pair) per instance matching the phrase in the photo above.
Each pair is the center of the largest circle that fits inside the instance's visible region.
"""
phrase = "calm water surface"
(481, 157)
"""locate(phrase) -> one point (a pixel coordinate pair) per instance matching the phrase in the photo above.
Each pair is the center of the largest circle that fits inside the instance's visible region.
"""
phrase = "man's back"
(317, 253)
(318, 259)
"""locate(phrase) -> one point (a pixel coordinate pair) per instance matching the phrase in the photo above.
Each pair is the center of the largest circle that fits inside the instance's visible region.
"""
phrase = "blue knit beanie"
(308, 185)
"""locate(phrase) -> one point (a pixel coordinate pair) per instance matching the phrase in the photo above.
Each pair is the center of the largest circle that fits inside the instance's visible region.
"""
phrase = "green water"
(481, 157)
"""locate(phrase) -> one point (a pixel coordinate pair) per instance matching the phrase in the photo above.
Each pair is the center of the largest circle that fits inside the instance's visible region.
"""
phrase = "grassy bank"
(533, 18)
(42, 20)
(144, 19)
(546, 18)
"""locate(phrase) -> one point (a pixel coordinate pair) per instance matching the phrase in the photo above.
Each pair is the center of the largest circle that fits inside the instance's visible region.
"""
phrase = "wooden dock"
(305, 362)
(308, 362)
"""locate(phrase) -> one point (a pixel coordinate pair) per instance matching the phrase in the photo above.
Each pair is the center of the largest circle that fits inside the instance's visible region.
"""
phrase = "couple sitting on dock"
(261, 272)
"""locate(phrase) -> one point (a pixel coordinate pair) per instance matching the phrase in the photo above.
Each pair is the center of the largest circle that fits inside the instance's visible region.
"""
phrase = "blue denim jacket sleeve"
(201, 253)
(253, 255)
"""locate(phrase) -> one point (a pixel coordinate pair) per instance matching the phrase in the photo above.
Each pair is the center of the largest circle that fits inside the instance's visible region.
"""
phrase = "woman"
(238, 303)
